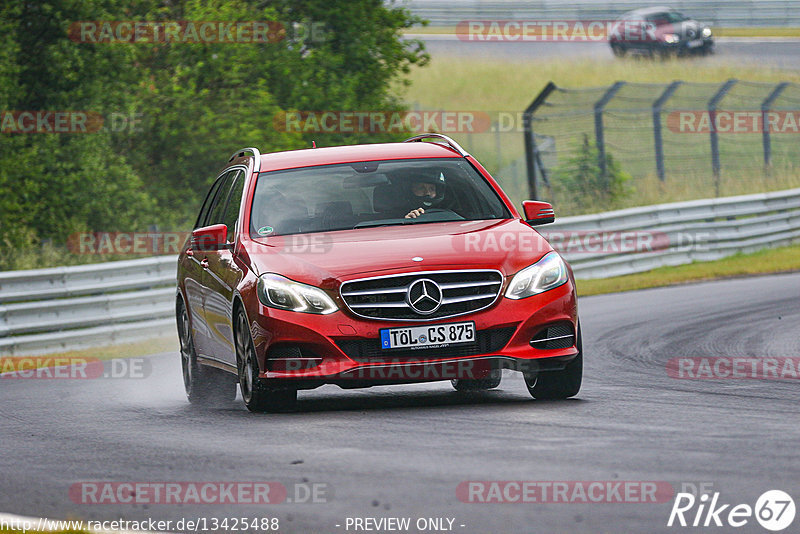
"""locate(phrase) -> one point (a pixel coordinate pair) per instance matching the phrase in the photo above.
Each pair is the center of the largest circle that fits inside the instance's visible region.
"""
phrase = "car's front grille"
(405, 296)
(369, 350)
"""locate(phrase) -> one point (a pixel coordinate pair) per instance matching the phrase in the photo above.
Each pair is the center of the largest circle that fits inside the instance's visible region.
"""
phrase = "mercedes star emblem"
(424, 296)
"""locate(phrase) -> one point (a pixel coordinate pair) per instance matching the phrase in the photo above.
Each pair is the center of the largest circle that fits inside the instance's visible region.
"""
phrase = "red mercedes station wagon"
(370, 265)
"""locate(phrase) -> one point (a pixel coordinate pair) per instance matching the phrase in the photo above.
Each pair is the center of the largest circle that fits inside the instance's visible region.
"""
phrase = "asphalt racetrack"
(402, 451)
(776, 52)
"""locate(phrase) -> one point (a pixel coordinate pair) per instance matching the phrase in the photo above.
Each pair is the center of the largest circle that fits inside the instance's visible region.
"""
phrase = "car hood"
(324, 258)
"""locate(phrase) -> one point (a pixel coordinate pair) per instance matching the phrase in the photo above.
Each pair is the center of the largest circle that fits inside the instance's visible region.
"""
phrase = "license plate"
(435, 335)
(695, 43)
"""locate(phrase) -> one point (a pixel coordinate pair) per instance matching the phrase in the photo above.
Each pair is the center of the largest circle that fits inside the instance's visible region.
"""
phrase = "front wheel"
(204, 386)
(257, 397)
(558, 384)
(618, 49)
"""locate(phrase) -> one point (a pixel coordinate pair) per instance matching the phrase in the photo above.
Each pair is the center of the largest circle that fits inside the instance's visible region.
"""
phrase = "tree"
(52, 185)
(192, 104)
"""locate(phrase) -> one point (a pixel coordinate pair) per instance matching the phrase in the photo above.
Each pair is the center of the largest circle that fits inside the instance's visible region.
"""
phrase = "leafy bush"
(580, 186)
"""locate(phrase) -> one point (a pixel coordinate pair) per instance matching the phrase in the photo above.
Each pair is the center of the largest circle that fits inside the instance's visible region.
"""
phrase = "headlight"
(544, 275)
(279, 292)
(671, 38)
(706, 32)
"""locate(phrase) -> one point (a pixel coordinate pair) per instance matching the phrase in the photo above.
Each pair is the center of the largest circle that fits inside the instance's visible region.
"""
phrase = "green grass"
(777, 260)
(778, 31)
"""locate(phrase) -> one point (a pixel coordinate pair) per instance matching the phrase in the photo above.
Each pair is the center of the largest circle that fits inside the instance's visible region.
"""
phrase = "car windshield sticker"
(265, 230)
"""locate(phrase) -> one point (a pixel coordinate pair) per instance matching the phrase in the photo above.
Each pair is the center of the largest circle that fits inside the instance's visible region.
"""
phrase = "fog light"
(287, 358)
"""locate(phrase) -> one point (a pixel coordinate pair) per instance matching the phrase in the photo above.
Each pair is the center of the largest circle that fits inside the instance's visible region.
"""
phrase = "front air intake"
(555, 336)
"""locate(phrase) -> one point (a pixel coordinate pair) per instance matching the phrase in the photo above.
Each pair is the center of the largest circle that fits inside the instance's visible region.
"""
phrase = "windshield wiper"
(380, 222)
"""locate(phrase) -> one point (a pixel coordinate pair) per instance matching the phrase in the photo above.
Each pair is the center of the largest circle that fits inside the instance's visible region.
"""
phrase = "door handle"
(204, 263)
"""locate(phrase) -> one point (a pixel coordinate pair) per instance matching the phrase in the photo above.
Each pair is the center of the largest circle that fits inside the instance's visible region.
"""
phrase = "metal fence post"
(530, 143)
(657, 139)
(598, 126)
(765, 105)
(712, 116)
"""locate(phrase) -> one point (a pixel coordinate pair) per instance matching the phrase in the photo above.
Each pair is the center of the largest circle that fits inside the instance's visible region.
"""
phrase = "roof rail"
(256, 155)
(449, 142)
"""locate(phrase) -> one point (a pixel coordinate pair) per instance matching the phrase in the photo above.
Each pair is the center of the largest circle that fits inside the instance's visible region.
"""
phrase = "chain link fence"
(682, 140)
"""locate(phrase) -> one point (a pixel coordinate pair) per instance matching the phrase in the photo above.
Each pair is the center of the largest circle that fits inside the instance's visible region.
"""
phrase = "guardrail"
(714, 12)
(699, 230)
(68, 308)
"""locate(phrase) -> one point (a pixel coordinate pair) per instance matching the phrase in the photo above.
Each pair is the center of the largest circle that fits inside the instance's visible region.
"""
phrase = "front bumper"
(341, 348)
(688, 46)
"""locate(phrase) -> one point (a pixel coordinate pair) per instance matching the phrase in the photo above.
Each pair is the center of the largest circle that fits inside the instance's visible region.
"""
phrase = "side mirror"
(537, 213)
(209, 238)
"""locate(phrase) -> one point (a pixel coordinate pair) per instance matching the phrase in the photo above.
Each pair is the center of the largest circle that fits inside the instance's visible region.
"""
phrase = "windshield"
(369, 194)
(669, 17)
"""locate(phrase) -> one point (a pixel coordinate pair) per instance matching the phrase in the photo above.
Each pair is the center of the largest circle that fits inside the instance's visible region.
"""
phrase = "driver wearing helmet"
(426, 191)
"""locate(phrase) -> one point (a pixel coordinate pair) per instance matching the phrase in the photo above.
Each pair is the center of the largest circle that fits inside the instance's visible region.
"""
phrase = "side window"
(207, 203)
(234, 201)
(215, 214)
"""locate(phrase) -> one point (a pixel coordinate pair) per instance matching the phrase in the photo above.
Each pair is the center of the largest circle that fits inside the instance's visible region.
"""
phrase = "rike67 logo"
(774, 510)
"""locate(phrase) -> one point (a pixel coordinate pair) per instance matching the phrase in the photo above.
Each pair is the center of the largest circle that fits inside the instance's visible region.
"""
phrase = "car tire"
(558, 384)
(490, 381)
(618, 49)
(205, 386)
(257, 396)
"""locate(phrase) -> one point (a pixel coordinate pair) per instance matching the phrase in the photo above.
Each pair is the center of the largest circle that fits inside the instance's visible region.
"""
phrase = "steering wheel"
(431, 213)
